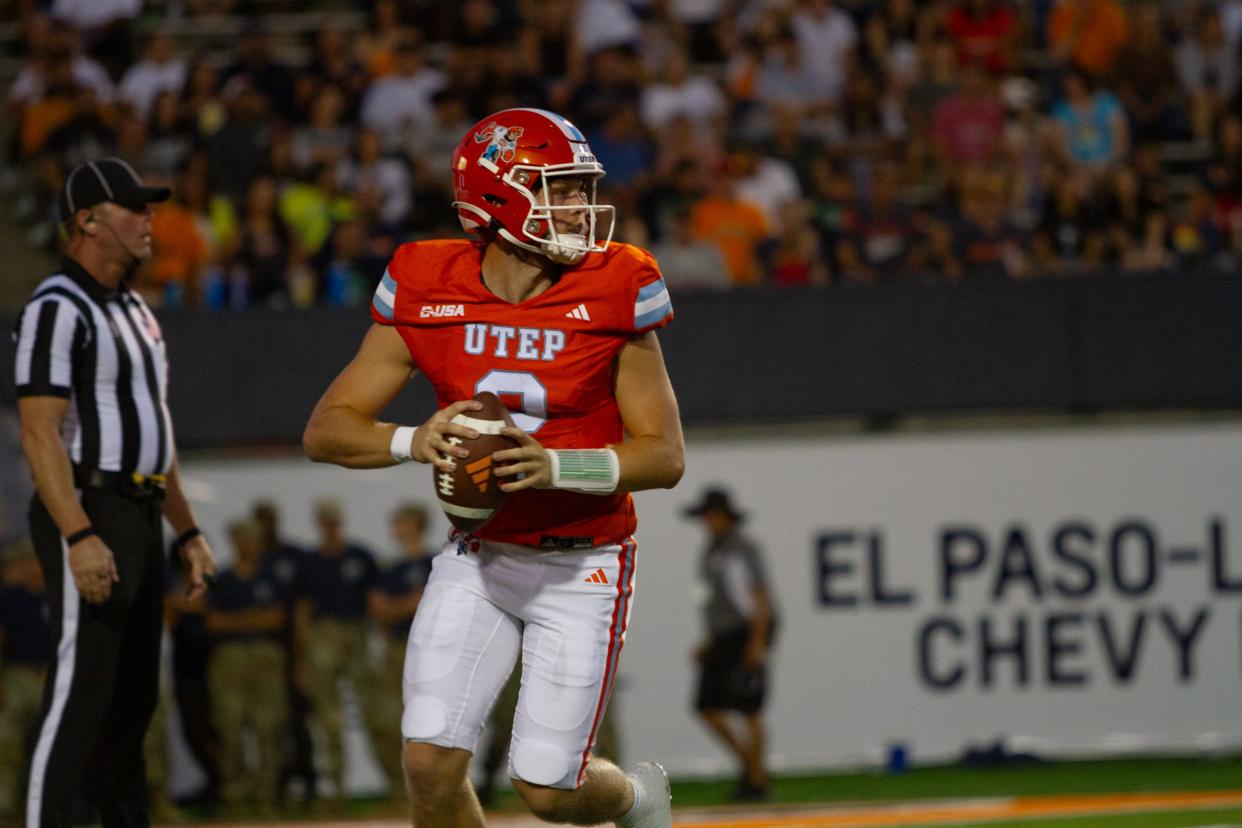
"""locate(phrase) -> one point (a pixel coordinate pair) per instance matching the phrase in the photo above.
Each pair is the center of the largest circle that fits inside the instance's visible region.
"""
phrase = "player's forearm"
(650, 462)
(345, 437)
(53, 477)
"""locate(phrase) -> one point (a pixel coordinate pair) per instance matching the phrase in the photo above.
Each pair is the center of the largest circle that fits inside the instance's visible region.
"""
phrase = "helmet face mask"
(507, 175)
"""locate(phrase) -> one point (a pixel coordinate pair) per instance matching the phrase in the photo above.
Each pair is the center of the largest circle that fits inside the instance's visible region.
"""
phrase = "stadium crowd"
(747, 142)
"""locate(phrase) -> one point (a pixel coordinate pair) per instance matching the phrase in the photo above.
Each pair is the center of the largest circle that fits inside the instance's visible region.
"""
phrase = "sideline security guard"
(92, 396)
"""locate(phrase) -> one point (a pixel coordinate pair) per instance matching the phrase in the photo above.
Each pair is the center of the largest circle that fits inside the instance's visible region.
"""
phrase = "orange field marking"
(987, 810)
(887, 815)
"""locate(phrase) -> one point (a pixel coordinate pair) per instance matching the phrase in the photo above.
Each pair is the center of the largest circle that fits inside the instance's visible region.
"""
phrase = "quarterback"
(542, 310)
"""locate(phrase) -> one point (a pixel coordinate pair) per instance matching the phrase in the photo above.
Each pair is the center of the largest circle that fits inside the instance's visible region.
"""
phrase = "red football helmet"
(501, 175)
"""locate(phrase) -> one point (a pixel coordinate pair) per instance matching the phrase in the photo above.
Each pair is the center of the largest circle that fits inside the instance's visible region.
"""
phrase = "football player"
(541, 309)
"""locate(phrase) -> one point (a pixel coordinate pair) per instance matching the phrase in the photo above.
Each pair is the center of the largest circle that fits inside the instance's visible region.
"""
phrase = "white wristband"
(402, 446)
(592, 471)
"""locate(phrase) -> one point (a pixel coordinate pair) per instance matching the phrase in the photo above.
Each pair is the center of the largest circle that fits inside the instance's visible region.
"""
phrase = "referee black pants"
(103, 682)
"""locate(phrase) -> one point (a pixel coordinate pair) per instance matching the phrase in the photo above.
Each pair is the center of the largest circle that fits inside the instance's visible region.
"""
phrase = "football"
(470, 494)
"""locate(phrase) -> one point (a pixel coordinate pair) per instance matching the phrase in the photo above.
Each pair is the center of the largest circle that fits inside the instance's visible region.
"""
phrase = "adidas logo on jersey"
(437, 311)
(579, 312)
(599, 576)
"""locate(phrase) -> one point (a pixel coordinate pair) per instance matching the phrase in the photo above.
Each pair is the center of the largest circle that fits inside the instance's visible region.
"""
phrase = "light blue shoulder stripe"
(647, 291)
(385, 300)
(653, 316)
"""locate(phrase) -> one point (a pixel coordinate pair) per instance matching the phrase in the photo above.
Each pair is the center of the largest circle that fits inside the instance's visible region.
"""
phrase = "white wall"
(847, 680)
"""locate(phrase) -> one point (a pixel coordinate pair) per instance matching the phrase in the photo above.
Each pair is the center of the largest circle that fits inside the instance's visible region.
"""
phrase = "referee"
(91, 384)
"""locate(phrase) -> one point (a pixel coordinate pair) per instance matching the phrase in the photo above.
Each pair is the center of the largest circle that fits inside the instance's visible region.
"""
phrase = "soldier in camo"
(246, 617)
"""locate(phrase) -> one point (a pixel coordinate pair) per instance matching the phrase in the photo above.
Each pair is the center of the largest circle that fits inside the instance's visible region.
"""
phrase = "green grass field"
(953, 781)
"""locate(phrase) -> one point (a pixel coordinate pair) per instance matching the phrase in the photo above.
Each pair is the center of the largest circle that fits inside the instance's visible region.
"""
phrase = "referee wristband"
(593, 471)
(187, 536)
(80, 535)
(402, 446)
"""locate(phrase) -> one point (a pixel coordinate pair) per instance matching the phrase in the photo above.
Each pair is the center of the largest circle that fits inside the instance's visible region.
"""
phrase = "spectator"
(879, 243)
(1193, 237)
(351, 272)
(238, 147)
(687, 263)
(1146, 79)
(169, 141)
(52, 44)
(60, 101)
(622, 147)
(613, 80)
(704, 26)
(764, 181)
(264, 251)
(546, 47)
(968, 127)
(399, 101)
(245, 616)
(376, 48)
(335, 587)
(737, 227)
(1151, 253)
(313, 207)
(985, 32)
(158, 72)
(1207, 68)
(783, 77)
(261, 72)
(392, 607)
(797, 258)
(201, 104)
(827, 38)
(333, 64)
(832, 199)
(25, 647)
(1071, 235)
(379, 184)
(84, 134)
(286, 562)
(106, 27)
(985, 243)
(678, 92)
(179, 251)
(1089, 34)
(604, 24)
(327, 139)
(429, 147)
(1090, 126)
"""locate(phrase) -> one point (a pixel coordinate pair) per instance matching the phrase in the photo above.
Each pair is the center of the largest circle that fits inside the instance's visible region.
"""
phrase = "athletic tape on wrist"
(402, 446)
(593, 471)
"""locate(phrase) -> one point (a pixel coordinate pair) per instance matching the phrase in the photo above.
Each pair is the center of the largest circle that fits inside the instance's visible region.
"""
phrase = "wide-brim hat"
(714, 500)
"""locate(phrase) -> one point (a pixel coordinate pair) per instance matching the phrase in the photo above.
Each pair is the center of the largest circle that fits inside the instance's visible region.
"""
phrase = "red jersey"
(549, 358)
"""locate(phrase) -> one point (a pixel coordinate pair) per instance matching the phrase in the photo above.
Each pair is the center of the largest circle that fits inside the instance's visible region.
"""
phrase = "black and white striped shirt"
(103, 351)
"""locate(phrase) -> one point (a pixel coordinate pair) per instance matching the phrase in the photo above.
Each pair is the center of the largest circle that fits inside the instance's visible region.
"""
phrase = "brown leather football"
(470, 495)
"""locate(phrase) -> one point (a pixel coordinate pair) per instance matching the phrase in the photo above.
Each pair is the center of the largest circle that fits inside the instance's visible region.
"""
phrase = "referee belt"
(130, 484)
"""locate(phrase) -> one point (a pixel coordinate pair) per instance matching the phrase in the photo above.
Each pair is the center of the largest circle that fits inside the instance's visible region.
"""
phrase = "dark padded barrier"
(1159, 341)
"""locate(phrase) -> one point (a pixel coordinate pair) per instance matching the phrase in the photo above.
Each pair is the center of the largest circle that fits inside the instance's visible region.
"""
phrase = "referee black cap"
(108, 179)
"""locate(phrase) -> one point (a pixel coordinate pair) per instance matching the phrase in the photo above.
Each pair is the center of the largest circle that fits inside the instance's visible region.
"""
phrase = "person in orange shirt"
(737, 227)
(180, 251)
(1089, 33)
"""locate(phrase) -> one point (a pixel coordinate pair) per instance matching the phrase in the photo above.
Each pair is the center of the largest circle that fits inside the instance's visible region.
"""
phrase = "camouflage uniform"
(246, 688)
(21, 699)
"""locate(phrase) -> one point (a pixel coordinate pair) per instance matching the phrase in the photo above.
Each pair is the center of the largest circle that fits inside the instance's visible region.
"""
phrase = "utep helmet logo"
(503, 141)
